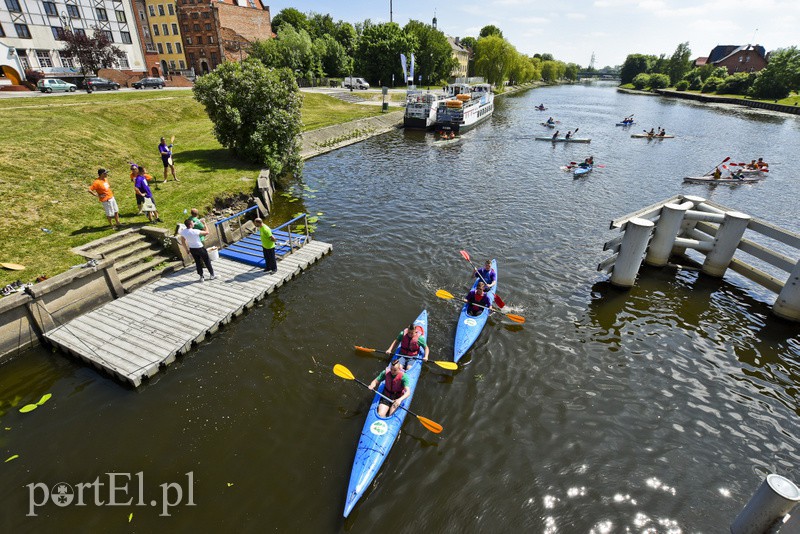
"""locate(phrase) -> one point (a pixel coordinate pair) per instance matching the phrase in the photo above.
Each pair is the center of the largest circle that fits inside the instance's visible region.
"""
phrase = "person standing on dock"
(411, 340)
(268, 246)
(191, 240)
(395, 387)
(102, 190)
(199, 224)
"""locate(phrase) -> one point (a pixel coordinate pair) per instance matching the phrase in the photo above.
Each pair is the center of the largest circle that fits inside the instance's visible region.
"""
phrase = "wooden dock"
(136, 335)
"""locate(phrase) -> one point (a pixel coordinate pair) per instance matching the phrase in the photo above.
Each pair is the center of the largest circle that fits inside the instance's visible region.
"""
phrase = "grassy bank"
(791, 100)
(51, 148)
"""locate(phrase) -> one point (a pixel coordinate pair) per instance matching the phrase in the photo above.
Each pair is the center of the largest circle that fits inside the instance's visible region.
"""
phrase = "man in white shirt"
(191, 240)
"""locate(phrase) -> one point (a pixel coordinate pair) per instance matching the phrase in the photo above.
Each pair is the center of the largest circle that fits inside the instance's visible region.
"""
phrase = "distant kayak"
(582, 171)
(564, 139)
(728, 180)
(548, 125)
(625, 123)
(648, 136)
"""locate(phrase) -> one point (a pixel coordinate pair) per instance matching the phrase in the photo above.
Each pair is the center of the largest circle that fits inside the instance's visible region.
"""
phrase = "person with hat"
(102, 190)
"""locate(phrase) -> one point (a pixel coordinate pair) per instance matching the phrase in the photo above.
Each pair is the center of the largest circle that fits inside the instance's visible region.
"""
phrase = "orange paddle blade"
(516, 318)
(433, 426)
(465, 254)
(365, 349)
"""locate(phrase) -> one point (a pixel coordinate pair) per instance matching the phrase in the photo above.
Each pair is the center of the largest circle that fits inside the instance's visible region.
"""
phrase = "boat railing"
(294, 240)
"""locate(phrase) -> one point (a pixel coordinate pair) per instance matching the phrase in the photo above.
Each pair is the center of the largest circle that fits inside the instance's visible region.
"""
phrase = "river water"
(658, 409)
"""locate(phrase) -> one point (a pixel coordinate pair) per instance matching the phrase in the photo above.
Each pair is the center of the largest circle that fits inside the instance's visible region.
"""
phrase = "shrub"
(682, 85)
(33, 76)
(696, 83)
(712, 84)
(737, 84)
(640, 81)
(659, 81)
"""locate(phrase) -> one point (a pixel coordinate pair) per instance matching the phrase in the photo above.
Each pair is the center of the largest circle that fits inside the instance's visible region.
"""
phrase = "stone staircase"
(138, 257)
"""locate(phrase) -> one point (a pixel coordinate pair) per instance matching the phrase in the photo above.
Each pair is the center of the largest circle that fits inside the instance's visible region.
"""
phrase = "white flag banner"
(412, 67)
(403, 63)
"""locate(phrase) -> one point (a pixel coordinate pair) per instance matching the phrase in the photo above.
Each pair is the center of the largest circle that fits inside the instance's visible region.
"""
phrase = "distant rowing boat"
(728, 180)
(648, 136)
(564, 139)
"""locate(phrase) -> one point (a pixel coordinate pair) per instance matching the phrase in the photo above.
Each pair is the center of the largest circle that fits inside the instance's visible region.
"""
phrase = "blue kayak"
(379, 433)
(625, 123)
(581, 171)
(469, 326)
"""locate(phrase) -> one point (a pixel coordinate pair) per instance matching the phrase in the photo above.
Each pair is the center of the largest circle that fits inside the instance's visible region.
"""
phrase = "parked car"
(95, 84)
(49, 85)
(355, 83)
(157, 83)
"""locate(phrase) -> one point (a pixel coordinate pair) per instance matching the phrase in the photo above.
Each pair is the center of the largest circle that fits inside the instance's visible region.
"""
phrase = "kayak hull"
(646, 136)
(564, 140)
(625, 123)
(582, 171)
(379, 433)
(730, 181)
(469, 327)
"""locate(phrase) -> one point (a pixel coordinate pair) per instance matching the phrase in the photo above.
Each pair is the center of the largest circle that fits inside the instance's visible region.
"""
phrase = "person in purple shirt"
(477, 296)
(143, 190)
(487, 274)
(166, 158)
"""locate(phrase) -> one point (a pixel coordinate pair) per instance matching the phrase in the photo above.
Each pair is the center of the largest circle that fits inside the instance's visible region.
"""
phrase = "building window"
(196, 27)
(194, 14)
(123, 62)
(80, 31)
(184, 16)
(205, 14)
(22, 31)
(189, 40)
(13, 5)
(199, 39)
(109, 35)
(160, 48)
(747, 59)
(155, 30)
(169, 48)
(141, 15)
(202, 52)
(174, 28)
(214, 58)
(172, 64)
(101, 14)
(23, 59)
(73, 11)
(208, 27)
(171, 9)
(165, 28)
(152, 11)
(191, 58)
(161, 10)
(58, 33)
(120, 16)
(66, 60)
(50, 9)
(126, 37)
(210, 40)
(45, 61)
(182, 64)
(178, 49)
(185, 30)
(2, 33)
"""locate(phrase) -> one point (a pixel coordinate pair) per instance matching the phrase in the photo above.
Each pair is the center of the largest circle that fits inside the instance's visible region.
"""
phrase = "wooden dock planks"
(133, 337)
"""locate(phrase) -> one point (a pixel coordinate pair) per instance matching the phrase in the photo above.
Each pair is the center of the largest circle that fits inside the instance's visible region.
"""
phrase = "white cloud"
(576, 16)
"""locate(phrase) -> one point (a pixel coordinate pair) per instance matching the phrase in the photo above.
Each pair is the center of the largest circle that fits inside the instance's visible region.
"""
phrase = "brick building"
(221, 30)
(735, 58)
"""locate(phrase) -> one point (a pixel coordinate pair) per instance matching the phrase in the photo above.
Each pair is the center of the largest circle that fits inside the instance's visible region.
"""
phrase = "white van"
(355, 83)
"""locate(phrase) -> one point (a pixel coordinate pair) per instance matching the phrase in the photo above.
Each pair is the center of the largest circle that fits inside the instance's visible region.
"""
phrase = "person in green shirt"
(268, 246)
(395, 388)
(199, 224)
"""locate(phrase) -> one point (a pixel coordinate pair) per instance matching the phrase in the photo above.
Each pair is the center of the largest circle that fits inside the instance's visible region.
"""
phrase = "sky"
(572, 30)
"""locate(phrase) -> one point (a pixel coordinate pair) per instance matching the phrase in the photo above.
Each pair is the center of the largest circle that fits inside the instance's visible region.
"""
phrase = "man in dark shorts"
(166, 158)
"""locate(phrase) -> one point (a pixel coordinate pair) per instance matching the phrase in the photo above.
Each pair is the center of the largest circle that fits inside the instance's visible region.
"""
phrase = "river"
(658, 408)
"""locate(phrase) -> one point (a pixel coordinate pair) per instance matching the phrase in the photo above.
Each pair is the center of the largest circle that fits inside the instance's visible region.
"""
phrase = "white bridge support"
(637, 235)
(788, 303)
(669, 224)
(767, 508)
(728, 237)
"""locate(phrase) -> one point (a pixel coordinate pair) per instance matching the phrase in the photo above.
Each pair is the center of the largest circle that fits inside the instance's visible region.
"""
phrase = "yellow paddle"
(442, 294)
(450, 366)
(343, 372)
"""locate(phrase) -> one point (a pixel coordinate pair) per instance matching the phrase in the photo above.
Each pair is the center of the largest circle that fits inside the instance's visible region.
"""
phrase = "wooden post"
(727, 239)
(772, 501)
(667, 228)
(634, 243)
(788, 303)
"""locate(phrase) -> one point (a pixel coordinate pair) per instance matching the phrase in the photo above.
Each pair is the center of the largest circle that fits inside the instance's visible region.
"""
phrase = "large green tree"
(292, 49)
(346, 34)
(434, 57)
(469, 43)
(635, 64)
(320, 25)
(680, 63)
(333, 56)
(494, 57)
(295, 18)
(255, 111)
(491, 29)
(781, 75)
(379, 49)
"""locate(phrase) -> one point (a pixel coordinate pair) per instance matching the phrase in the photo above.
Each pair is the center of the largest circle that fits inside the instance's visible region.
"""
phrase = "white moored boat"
(421, 109)
(468, 106)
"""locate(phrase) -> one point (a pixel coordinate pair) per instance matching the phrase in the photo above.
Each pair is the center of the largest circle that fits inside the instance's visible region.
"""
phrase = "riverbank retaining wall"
(794, 110)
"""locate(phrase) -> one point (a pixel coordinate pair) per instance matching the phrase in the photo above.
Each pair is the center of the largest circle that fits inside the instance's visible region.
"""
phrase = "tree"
(320, 25)
(571, 72)
(469, 43)
(493, 59)
(680, 63)
(434, 55)
(346, 35)
(781, 75)
(292, 49)
(379, 49)
(641, 80)
(634, 64)
(659, 81)
(255, 111)
(92, 53)
(491, 29)
(547, 57)
(332, 56)
(291, 16)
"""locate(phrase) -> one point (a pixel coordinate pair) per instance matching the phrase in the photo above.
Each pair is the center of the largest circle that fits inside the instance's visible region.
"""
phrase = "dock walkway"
(136, 335)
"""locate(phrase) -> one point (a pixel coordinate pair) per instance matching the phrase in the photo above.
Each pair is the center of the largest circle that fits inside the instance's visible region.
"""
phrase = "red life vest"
(393, 387)
(409, 345)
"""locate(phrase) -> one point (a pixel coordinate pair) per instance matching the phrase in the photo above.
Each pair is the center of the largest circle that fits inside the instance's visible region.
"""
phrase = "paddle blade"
(172, 140)
(499, 301)
(343, 372)
(726, 159)
(450, 366)
(516, 318)
(464, 254)
(365, 349)
(442, 294)
(433, 426)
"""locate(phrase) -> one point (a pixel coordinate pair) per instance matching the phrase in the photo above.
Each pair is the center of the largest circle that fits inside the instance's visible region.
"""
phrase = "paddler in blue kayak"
(477, 296)
(395, 387)
(588, 162)
(551, 121)
(487, 275)
(411, 340)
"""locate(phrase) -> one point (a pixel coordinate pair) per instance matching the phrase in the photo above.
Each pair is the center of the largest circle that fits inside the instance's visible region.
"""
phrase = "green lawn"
(51, 148)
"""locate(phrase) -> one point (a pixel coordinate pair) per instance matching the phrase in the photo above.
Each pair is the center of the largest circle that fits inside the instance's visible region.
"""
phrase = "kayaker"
(662, 132)
(762, 164)
(487, 275)
(551, 121)
(477, 296)
(717, 174)
(395, 387)
(752, 165)
(588, 162)
(555, 135)
(411, 340)
(569, 134)
(652, 132)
